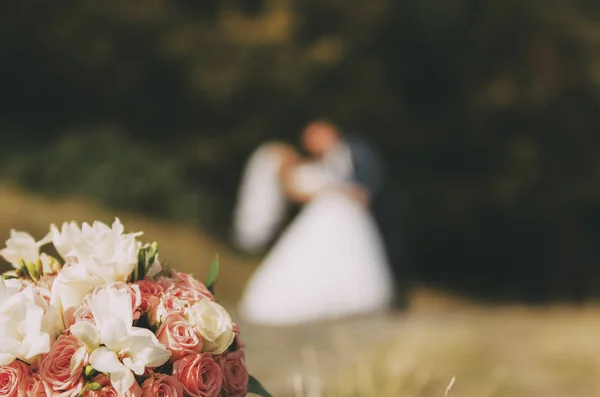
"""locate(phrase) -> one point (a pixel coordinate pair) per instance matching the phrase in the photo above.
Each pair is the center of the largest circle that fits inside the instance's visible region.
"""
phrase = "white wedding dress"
(262, 206)
(329, 263)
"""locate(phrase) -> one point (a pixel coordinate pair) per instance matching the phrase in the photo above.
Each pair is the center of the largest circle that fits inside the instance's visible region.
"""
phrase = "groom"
(352, 159)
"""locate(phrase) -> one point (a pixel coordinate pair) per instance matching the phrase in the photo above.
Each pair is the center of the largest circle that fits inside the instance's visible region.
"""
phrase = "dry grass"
(493, 352)
(511, 352)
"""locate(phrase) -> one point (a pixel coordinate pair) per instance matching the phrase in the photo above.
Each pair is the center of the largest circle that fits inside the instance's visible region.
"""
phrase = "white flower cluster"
(42, 299)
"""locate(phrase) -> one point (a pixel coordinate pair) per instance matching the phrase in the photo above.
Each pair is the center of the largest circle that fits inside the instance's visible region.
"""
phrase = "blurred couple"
(337, 257)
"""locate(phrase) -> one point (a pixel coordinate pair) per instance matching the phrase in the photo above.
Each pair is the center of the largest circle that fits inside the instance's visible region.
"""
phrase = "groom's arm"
(368, 168)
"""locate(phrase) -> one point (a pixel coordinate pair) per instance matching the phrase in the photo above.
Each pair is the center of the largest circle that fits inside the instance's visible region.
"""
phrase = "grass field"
(499, 352)
(506, 351)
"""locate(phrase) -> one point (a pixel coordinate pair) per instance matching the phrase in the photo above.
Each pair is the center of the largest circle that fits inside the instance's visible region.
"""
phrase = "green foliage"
(213, 274)
(106, 166)
(254, 387)
(146, 257)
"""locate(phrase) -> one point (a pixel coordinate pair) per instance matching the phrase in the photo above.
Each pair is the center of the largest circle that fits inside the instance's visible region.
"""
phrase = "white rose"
(28, 325)
(22, 246)
(105, 251)
(214, 324)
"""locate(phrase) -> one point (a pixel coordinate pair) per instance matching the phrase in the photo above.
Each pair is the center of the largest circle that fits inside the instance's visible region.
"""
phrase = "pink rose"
(47, 281)
(74, 392)
(159, 385)
(188, 288)
(151, 293)
(239, 344)
(13, 379)
(83, 313)
(235, 374)
(199, 375)
(34, 387)
(167, 305)
(179, 337)
(238, 341)
(61, 369)
(165, 282)
(107, 390)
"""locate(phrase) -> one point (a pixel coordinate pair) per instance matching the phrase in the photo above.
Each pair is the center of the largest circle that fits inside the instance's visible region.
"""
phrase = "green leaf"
(33, 271)
(89, 371)
(22, 270)
(141, 268)
(255, 387)
(152, 251)
(213, 273)
(94, 386)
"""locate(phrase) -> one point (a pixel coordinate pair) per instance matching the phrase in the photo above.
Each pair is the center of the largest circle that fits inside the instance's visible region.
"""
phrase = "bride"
(329, 263)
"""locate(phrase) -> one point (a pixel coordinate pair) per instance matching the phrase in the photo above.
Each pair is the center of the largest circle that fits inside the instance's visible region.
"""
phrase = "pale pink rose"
(188, 288)
(43, 293)
(165, 282)
(75, 391)
(160, 385)
(12, 379)
(34, 387)
(235, 374)
(62, 368)
(151, 293)
(108, 390)
(44, 286)
(199, 375)
(47, 281)
(179, 337)
(83, 313)
(168, 304)
(149, 371)
(240, 345)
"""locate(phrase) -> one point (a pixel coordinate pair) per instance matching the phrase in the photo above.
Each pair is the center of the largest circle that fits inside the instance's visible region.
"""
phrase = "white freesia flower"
(71, 285)
(66, 238)
(214, 324)
(96, 254)
(126, 350)
(22, 246)
(106, 252)
(28, 325)
(49, 264)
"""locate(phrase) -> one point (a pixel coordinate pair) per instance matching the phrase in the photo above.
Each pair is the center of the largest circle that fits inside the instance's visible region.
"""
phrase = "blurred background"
(487, 113)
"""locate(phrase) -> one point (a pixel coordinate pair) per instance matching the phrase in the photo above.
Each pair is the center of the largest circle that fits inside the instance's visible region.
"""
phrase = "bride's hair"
(287, 153)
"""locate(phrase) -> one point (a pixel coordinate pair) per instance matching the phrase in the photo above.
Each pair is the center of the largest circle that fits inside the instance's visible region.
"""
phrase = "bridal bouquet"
(111, 320)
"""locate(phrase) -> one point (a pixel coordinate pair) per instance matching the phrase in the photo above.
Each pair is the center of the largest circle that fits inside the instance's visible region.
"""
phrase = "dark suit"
(386, 203)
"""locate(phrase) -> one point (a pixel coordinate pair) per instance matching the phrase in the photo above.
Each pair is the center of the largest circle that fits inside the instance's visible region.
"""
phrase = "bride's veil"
(261, 204)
